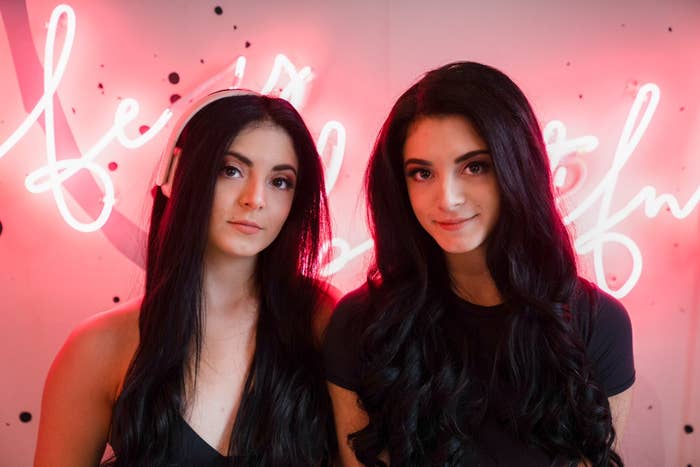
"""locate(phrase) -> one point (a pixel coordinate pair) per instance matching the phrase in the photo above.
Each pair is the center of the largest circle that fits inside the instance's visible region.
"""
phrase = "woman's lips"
(454, 224)
(246, 227)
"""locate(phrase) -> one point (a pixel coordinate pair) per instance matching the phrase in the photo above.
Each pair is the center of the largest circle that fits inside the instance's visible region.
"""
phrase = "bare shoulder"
(102, 346)
(82, 386)
(117, 325)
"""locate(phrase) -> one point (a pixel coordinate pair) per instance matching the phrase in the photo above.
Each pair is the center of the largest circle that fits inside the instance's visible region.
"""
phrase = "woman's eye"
(419, 174)
(477, 167)
(282, 183)
(230, 171)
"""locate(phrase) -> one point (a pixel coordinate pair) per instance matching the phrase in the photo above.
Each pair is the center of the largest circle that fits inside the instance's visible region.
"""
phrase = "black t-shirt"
(606, 331)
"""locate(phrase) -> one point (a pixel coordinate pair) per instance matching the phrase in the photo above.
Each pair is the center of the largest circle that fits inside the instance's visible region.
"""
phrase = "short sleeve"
(610, 346)
(341, 341)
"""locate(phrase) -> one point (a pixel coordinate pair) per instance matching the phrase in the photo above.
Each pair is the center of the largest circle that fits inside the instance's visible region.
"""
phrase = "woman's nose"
(450, 194)
(253, 194)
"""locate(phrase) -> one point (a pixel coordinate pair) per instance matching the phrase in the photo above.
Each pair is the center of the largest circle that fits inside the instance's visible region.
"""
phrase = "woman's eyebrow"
(470, 154)
(459, 159)
(284, 167)
(414, 160)
(244, 160)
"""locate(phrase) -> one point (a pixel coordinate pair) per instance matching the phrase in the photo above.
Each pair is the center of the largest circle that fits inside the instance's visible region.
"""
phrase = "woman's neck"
(229, 287)
(471, 278)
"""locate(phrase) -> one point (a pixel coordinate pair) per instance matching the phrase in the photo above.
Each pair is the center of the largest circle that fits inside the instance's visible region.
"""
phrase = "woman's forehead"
(264, 143)
(441, 136)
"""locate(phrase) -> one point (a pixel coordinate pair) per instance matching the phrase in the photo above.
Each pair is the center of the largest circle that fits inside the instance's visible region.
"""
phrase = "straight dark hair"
(285, 416)
(423, 408)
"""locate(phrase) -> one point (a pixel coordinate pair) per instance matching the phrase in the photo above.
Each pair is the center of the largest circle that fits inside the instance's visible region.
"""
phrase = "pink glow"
(594, 240)
(55, 173)
(563, 152)
(295, 90)
(58, 172)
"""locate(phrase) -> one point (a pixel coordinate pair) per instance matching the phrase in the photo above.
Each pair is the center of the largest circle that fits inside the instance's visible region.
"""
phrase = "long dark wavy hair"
(284, 417)
(424, 407)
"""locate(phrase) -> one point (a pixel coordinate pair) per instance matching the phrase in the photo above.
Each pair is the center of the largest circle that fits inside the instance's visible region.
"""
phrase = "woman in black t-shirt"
(474, 341)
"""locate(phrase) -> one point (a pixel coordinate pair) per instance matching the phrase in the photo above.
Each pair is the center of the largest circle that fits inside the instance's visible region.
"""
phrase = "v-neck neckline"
(201, 441)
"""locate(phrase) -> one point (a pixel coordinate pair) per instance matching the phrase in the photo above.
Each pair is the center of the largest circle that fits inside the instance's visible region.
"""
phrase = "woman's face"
(451, 182)
(254, 191)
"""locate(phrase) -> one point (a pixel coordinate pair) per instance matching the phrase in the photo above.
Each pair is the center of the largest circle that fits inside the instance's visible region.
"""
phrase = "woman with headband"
(474, 341)
(218, 364)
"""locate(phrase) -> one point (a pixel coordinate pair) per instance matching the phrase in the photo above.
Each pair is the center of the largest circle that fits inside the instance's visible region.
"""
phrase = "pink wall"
(580, 65)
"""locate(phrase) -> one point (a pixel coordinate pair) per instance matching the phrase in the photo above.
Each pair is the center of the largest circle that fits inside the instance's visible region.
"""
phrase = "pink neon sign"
(563, 153)
(57, 172)
(562, 150)
(603, 233)
(52, 176)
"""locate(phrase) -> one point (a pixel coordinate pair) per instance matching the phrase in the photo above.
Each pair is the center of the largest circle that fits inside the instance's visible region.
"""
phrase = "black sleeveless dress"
(192, 450)
(195, 451)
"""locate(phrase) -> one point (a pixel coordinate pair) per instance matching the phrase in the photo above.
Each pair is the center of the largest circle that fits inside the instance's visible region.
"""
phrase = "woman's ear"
(167, 184)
